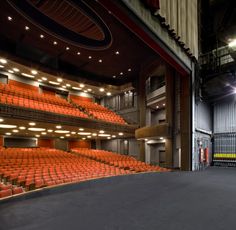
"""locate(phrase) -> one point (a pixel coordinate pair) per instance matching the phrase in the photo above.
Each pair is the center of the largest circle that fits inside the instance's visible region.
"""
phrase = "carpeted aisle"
(173, 201)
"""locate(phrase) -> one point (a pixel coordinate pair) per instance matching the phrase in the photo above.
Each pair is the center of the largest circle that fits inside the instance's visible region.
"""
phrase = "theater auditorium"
(117, 114)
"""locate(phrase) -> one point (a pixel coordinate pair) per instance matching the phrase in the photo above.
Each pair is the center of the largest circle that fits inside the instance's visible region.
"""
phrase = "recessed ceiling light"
(68, 85)
(94, 134)
(32, 123)
(41, 36)
(15, 131)
(1, 66)
(88, 136)
(157, 106)
(114, 136)
(90, 57)
(64, 86)
(61, 131)
(103, 135)
(37, 135)
(114, 76)
(55, 43)
(68, 135)
(101, 89)
(67, 48)
(78, 53)
(59, 80)
(81, 129)
(50, 130)
(73, 132)
(232, 43)
(4, 126)
(9, 18)
(101, 131)
(163, 104)
(34, 129)
(89, 90)
(83, 138)
(161, 138)
(8, 134)
(40, 80)
(58, 126)
(22, 128)
(54, 83)
(129, 69)
(34, 72)
(43, 133)
(3, 61)
(85, 91)
(121, 73)
(76, 88)
(108, 138)
(10, 71)
(27, 75)
(15, 70)
(1, 120)
(62, 137)
(44, 79)
(117, 52)
(120, 134)
(108, 94)
(27, 28)
(84, 133)
(100, 60)
(81, 85)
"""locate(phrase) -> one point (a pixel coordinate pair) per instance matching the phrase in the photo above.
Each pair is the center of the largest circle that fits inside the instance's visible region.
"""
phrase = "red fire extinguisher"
(206, 153)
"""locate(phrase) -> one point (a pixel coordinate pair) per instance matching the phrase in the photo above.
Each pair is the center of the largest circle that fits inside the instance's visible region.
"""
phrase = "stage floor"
(151, 201)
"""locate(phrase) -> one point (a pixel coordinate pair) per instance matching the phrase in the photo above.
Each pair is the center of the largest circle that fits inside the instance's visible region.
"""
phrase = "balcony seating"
(118, 160)
(33, 168)
(99, 112)
(17, 96)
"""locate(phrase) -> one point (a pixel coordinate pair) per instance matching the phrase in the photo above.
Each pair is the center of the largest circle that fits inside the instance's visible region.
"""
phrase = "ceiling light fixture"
(55, 43)
(100, 60)
(8, 134)
(22, 128)
(89, 90)
(27, 28)
(54, 83)
(114, 76)
(120, 134)
(37, 135)
(61, 131)
(85, 91)
(94, 134)
(117, 52)
(232, 43)
(43, 133)
(83, 138)
(58, 126)
(90, 57)
(129, 70)
(101, 89)
(78, 53)
(34, 72)
(108, 94)
(41, 36)
(40, 80)
(59, 80)
(68, 135)
(81, 129)
(34, 129)
(15, 70)
(62, 137)
(64, 86)
(10, 71)
(163, 104)
(15, 131)
(161, 138)
(114, 136)
(50, 130)
(44, 79)
(101, 131)
(121, 73)
(9, 18)
(3, 61)
(104, 135)
(76, 88)
(4, 126)
(157, 107)
(84, 133)
(1, 120)
(73, 132)
(27, 75)
(67, 48)
(81, 85)
(1, 66)
(68, 85)
(32, 123)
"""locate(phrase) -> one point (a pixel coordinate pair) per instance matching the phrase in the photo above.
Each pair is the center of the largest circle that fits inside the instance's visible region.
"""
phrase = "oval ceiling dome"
(70, 20)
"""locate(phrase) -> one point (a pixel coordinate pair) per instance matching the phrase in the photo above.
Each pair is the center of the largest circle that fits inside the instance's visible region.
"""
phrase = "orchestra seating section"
(24, 169)
(99, 112)
(118, 160)
(18, 96)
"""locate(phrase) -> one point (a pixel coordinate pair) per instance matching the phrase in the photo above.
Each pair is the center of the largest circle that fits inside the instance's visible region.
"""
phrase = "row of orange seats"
(118, 160)
(7, 189)
(22, 92)
(32, 104)
(99, 111)
(34, 168)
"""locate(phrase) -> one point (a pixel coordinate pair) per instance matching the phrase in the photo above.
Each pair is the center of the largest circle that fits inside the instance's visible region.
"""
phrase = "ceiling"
(80, 38)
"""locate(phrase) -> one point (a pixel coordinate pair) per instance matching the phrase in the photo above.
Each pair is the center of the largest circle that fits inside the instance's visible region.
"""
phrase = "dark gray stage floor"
(176, 201)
